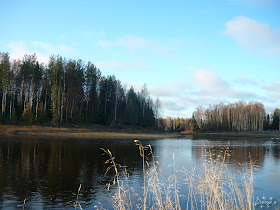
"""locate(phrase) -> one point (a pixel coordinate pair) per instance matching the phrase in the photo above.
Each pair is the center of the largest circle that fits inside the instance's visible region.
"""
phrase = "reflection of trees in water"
(275, 151)
(56, 168)
(240, 153)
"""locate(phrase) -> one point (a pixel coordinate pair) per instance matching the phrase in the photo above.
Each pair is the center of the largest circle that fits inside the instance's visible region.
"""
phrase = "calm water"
(47, 173)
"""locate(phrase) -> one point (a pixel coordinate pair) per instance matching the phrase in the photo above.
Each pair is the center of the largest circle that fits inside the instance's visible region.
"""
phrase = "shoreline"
(95, 132)
(101, 132)
(257, 134)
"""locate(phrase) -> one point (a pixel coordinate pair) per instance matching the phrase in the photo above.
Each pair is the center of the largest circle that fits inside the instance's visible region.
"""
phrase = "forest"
(72, 91)
(239, 116)
(69, 91)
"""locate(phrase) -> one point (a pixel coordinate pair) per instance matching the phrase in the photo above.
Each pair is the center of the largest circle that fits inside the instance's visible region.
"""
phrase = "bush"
(28, 116)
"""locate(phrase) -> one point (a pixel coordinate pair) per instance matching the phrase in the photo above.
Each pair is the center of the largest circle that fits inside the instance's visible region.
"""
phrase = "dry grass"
(94, 132)
(22, 206)
(77, 203)
(212, 187)
(216, 188)
(121, 198)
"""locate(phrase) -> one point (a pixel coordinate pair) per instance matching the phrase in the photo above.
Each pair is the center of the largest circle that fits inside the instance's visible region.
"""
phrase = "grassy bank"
(81, 132)
(95, 131)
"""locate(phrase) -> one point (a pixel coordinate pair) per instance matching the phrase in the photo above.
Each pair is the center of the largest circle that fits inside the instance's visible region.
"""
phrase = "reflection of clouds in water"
(240, 148)
(182, 150)
(191, 153)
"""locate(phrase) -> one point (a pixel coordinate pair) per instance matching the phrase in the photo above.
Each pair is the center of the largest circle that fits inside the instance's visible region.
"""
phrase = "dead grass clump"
(215, 186)
(212, 187)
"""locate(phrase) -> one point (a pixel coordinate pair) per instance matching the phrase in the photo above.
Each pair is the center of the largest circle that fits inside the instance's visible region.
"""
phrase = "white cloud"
(134, 44)
(43, 50)
(213, 87)
(19, 49)
(119, 65)
(169, 89)
(254, 35)
(175, 107)
(210, 81)
(273, 90)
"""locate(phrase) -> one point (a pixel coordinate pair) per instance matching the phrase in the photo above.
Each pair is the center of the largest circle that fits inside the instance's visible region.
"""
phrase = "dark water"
(48, 173)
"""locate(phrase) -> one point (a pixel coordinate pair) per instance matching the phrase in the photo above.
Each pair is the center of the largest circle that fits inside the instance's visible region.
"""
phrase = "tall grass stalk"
(22, 204)
(144, 162)
(121, 199)
(77, 203)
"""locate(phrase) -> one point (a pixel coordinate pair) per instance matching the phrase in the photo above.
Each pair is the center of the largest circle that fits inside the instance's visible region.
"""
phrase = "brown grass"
(213, 188)
(216, 185)
(89, 132)
(121, 198)
(77, 203)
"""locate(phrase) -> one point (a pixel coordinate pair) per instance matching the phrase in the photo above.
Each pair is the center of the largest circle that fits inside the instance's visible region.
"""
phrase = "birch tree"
(4, 80)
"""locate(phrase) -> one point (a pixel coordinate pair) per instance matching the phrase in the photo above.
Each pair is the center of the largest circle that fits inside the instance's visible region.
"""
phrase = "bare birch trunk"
(31, 93)
(37, 104)
(4, 100)
(45, 105)
(11, 107)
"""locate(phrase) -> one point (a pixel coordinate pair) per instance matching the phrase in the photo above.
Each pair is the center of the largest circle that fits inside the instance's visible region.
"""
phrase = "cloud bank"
(207, 87)
(43, 50)
(254, 35)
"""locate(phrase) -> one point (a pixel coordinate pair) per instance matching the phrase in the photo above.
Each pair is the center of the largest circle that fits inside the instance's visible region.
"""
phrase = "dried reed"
(214, 187)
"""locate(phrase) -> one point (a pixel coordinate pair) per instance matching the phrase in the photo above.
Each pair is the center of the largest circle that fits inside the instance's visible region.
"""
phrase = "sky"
(188, 53)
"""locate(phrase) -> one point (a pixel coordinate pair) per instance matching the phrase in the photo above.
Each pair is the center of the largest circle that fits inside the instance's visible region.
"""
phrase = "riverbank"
(257, 134)
(86, 132)
(100, 132)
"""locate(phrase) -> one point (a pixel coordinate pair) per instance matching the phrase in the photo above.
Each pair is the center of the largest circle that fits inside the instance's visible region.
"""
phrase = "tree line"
(69, 91)
(239, 116)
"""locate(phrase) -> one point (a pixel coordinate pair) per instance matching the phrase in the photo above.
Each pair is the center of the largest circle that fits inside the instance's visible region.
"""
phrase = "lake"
(48, 173)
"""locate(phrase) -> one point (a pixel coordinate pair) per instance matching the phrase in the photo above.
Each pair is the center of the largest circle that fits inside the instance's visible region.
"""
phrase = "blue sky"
(189, 53)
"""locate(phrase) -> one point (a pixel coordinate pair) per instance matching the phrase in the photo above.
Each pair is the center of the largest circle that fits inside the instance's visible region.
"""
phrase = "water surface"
(47, 173)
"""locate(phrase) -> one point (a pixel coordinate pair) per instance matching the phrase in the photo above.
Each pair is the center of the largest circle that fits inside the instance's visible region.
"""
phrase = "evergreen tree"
(92, 79)
(275, 119)
(266, 123)
(132, 109)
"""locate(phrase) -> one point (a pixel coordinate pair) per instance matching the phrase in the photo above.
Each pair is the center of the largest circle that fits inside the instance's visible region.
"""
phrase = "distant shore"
(256, 134)
(101, 132)
(86, 132)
